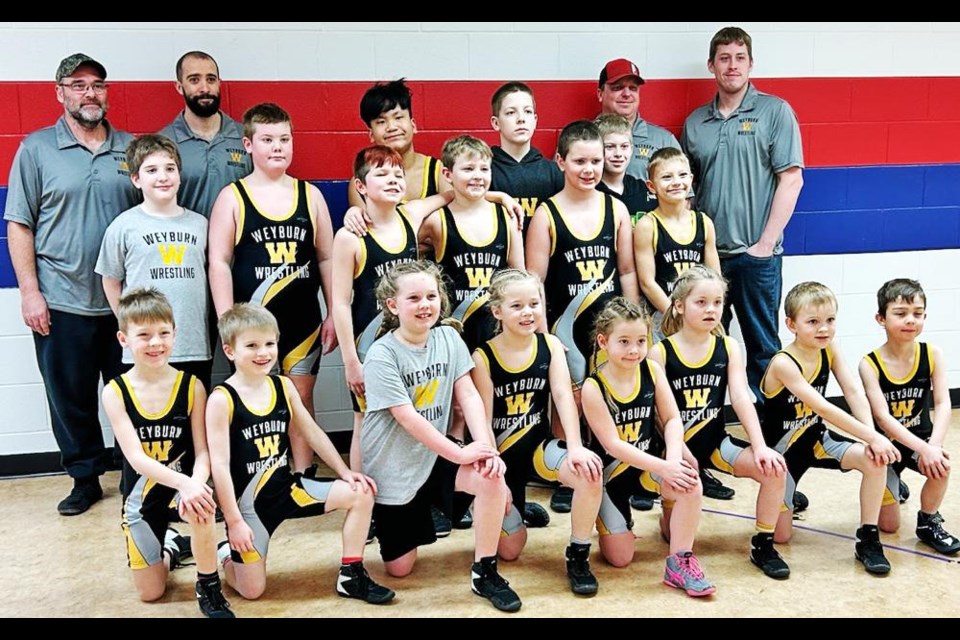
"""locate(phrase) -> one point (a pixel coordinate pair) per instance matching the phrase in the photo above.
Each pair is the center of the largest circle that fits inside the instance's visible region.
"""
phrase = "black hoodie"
(530, 181)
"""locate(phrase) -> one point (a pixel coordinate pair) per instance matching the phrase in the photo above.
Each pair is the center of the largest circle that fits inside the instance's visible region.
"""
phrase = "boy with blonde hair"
(250, 417)
(157, 416)
(794, 386)
(617, 153)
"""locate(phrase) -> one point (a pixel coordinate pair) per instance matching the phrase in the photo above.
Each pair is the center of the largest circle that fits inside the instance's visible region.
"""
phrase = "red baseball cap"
(617, 69)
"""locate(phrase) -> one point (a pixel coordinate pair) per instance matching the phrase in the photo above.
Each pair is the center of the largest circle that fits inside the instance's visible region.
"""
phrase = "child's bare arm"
(646, 264)
(598, 418)
(561, 392)
(345, 251)
(710, 256)
(220, 243)
(112, 288)
(218, 442)
(933, 462)
(626, 265)
(539, 241)
(124, 431)
(323, 244)
(306, 426)
(418, 210)
(484, 385)
(430, 237)
(515, 254)
(782, 370)
(851, 387)
(768, 460)
(941, 396)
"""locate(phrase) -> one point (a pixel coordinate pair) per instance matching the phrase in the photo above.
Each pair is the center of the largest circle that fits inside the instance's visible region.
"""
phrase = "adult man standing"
(67, 183)
(619, 93)
(744, 147)
(210, 141)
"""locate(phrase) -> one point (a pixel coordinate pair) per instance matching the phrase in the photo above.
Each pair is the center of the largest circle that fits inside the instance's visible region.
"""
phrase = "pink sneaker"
(683, 572)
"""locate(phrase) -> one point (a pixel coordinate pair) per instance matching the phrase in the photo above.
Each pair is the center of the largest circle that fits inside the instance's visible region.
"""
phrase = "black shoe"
(465, 522)
(81, 498)
(211, 601)
(535, 516)
(904, 492)
(582, 580)
(713, 488)
(800, 502)
(869, 551)
(641, 502)
(930, 531)
(441, 523)
(764, 555)
(562, 500)
(486, 582)
(355, 582)
(179, 548)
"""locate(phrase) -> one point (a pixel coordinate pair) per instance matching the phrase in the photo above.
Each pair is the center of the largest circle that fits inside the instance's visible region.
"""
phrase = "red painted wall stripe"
(845, 121)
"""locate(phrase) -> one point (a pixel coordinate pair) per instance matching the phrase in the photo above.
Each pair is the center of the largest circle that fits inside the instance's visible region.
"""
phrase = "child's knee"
(617, 557)
(251, 589)
(491, 488)
(151, 592)
(401, 567)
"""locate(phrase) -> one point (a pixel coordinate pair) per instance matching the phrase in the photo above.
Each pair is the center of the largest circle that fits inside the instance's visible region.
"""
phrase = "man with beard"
(67, 184)
(210, 141)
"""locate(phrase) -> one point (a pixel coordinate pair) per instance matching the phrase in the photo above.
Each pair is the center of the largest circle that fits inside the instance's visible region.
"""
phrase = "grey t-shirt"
(169, 253)
(396, 374)
(647, 139)
(68, 195)
(735, 162)
(208, 165)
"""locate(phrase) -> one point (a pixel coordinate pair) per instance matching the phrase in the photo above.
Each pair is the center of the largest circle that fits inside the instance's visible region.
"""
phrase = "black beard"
(202, 110)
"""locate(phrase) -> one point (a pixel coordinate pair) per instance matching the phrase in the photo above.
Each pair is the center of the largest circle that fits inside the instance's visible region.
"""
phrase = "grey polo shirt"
(647, 139)
(208, 166)
(736, 161)
(68, 196)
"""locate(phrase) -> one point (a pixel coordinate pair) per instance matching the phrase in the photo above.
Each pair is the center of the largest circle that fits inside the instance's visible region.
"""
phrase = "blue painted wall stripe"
(841, 210)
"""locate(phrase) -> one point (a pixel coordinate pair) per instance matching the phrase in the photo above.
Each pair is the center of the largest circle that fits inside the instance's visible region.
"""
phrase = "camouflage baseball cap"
(70, 64)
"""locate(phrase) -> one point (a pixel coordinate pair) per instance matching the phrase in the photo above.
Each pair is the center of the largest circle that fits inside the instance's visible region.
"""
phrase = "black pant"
(79, 351)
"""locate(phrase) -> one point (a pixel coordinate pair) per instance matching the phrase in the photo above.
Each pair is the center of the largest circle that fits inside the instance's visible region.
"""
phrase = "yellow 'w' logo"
(158, 450)
(803, 411)
(478, 277)
(591, 269)
(424, 394)
(282, 252)
(629, 432)
(268, 446)
(902, 408)
(529, 206)
(695, 398)
(236, 157)
(519, 404)
(172, 253)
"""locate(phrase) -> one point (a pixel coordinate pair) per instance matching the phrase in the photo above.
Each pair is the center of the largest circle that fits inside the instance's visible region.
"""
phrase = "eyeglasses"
(81, 88)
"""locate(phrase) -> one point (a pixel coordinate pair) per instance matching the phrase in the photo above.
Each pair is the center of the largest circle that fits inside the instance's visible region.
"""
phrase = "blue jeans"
(755, 288)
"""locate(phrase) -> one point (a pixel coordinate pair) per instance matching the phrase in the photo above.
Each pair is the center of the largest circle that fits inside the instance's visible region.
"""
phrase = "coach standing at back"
(745, 150)
(67, 183)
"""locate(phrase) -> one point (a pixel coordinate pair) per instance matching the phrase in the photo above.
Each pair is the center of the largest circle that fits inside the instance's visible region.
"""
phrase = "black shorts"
(402, 528)
(615, 515)
(816, 447)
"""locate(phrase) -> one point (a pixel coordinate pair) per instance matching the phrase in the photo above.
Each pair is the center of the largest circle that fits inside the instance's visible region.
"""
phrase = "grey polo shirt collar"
(183, 132)
(748, 103)
(66, 139)
(639, 127)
